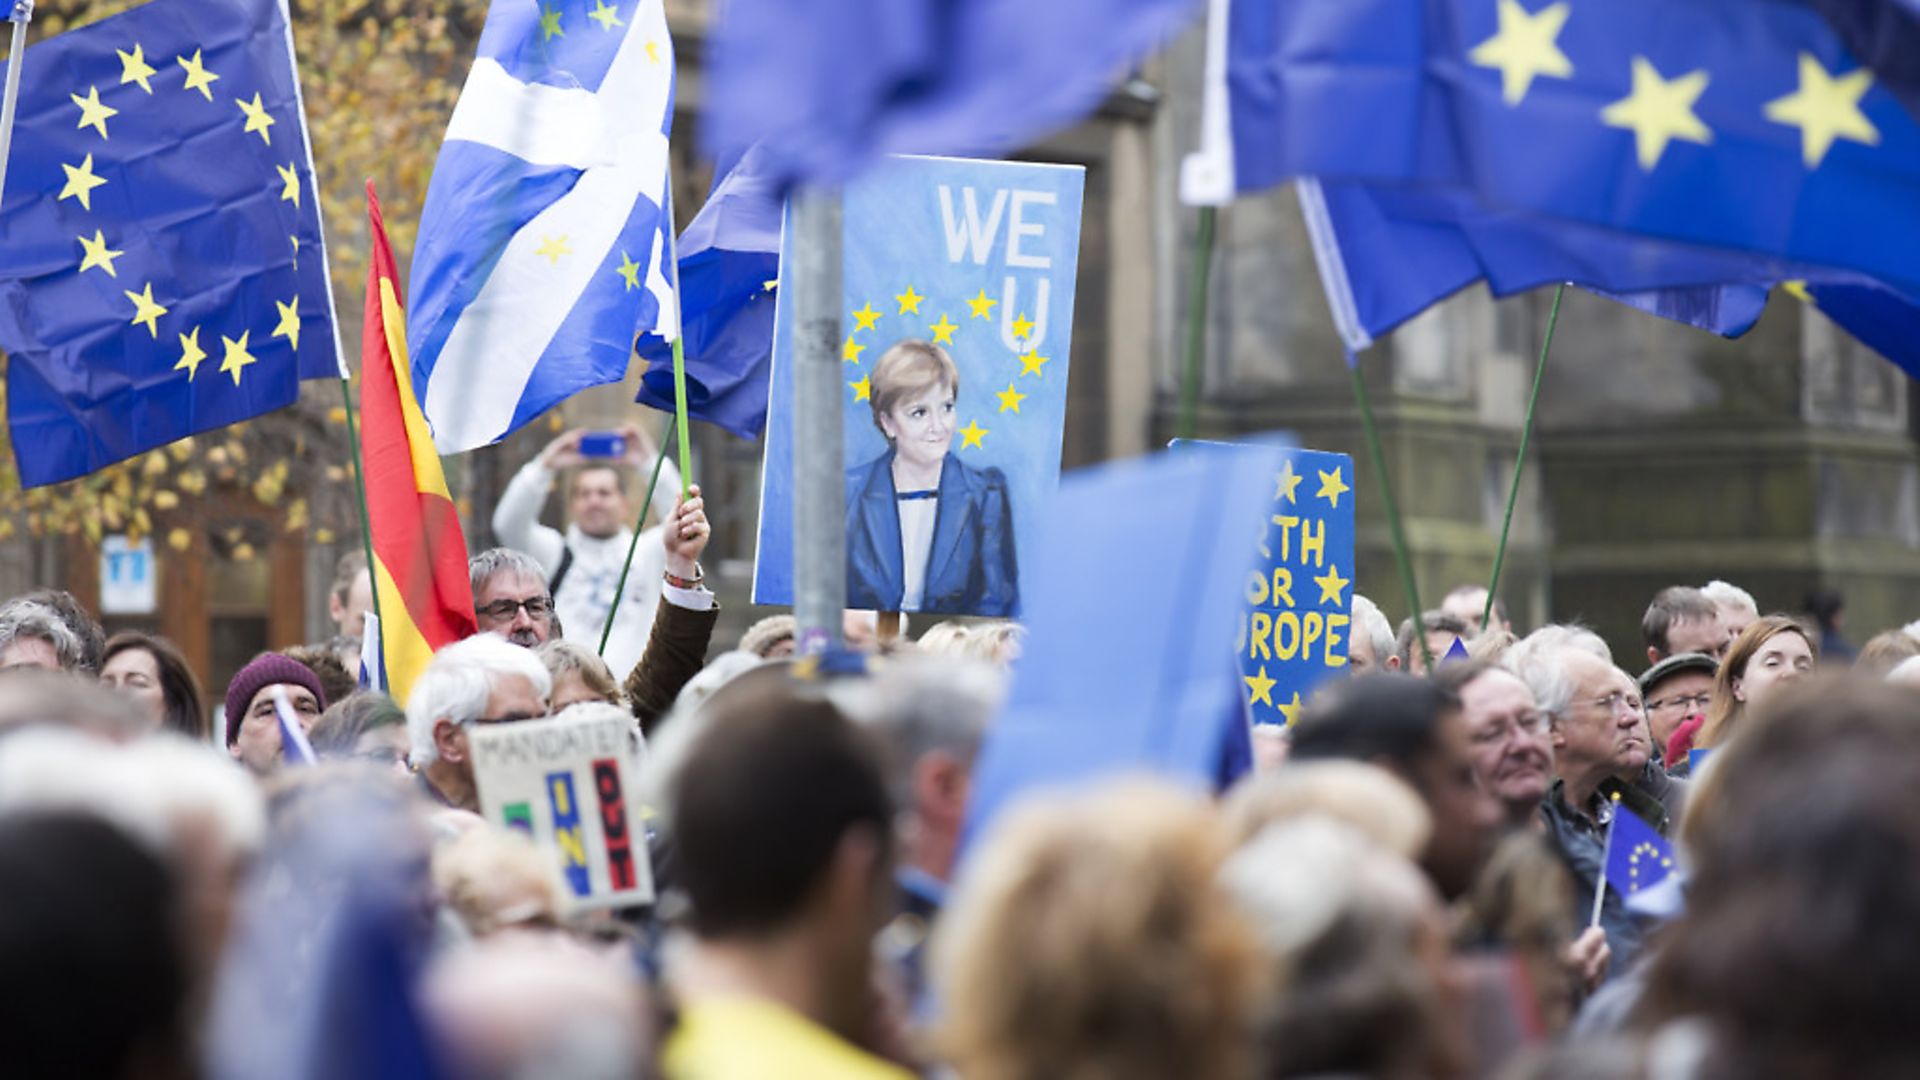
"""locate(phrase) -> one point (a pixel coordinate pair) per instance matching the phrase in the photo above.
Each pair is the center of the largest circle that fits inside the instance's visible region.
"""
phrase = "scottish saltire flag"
(544, 240)
(729, 262)
(373, 665)
(1638, 857)
(1734, 125)
(162, 265)
(294, 747)
(831, 85)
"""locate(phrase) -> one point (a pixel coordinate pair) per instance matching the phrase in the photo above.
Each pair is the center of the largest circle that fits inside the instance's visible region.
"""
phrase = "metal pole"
(1187, 426)
(21, 16)
(819, 468)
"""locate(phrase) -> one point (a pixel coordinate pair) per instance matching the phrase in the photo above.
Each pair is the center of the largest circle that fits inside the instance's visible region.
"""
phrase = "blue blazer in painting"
(971, 568)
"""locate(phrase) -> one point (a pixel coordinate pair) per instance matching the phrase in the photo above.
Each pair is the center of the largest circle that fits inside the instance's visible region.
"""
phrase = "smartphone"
(603, 444)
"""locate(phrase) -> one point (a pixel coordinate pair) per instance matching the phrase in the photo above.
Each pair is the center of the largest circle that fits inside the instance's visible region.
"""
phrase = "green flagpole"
(1393, 508)
(366, 521)
(1520, 459)
(680, 413)
(1188, 423)
(660, 460)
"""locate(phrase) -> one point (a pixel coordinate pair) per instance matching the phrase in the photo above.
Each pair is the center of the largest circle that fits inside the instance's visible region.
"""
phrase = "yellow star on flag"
(289, 327)
(550, 24)
(1524, 48)
(1010, 399)
(630, 271)
(1291, 709)
(1331, 486)
(93, 111)
(198, 77)
(1032, 362)
(971, 435)
(943, 331)
(289, 184)
(135, 69)
(1825, 109)
(862, 390)
(1021, 326)
(653, 52)
(98, 254)
(1658, 111)
(257, 118)
(1330, 585)
(850, 352)
(551, 248)
(1798, 290)
(909, 301)
(237, 356)
(1259, 687)
(190, 354)
(865, 318)
(981, 306)
(145, 310)
(80, 183)
(604, 14)
(1286, 483)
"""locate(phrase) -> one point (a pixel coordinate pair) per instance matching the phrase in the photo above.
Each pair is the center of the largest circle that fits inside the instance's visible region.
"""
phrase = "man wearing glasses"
(510, 597)
(482, 680)
(1677, 691)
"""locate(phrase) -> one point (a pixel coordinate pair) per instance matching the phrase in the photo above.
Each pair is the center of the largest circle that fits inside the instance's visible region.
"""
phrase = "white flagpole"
(21, 16)
(1606, 856)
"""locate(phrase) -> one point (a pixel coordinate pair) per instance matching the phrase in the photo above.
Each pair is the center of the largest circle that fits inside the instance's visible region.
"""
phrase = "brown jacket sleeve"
(676, 651)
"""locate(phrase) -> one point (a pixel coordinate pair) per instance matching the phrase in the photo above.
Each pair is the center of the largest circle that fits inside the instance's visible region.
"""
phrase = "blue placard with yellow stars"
(161, 262)
(959, 286)
(1299, 595)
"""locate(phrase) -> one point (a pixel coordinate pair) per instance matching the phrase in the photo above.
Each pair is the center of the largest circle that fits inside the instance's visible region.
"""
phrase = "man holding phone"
(583, 564)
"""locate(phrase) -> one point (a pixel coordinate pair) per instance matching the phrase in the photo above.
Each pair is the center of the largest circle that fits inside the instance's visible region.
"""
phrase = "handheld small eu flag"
(1638, 857)
(160, 216)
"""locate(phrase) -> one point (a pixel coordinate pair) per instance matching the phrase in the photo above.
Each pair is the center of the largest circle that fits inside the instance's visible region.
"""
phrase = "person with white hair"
(1370, 645)
(482, 680)
(33, 635)
(1737, 606)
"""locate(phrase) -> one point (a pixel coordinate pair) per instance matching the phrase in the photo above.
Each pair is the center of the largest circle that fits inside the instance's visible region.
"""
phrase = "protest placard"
(1299, 596)
(959, 288)
(568, 783)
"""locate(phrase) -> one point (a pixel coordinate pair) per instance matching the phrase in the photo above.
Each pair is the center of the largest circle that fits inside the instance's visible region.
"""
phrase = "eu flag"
(1738, 125)
(1638, 857)
(160, 225)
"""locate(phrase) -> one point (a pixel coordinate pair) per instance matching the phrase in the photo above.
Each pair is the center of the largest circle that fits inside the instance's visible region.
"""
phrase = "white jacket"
(587, 591)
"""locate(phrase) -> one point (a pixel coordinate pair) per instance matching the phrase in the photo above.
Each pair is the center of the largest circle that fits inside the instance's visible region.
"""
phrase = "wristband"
(699, 575)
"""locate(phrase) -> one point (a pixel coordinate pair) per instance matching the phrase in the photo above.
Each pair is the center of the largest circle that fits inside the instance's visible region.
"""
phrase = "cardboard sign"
(946, 260)
(568, 783)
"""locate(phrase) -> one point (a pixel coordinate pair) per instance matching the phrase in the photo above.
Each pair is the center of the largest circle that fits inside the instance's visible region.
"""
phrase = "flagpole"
(659, 461)
(1520, 459)
(366, 519)
(1393, 508)
(22, 15)
(819, 467)
(1606, 856)
(1196, 324)
(672, 255)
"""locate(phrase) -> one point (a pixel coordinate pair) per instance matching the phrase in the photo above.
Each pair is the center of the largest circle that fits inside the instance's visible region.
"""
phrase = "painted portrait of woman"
(926, 532)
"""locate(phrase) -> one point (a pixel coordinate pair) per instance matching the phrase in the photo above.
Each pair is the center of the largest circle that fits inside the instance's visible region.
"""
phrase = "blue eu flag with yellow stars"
(1638, 857)
(161, 265)
(1631, 144)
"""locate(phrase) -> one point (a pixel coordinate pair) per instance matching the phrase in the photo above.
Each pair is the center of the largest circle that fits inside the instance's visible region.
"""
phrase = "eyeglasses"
(1529, 724)
(538, 607)
(1690, 702)
(1615, 702)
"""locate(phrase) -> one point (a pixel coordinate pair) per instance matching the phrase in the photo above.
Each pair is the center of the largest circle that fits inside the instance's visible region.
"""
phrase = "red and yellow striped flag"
(419, 554)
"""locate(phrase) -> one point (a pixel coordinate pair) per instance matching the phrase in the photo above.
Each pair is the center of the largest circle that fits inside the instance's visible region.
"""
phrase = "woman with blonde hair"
(1771, 652)
(926, 532)
(1091, 938)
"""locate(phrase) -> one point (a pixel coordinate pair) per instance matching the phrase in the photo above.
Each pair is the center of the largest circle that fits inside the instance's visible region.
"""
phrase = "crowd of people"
(1412, 882)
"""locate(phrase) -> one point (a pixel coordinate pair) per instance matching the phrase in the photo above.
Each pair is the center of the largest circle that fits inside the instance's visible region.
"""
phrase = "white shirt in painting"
(917, 511)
